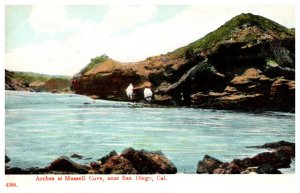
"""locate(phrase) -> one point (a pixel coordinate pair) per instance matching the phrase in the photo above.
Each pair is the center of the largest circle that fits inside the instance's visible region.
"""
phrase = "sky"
(61, 40)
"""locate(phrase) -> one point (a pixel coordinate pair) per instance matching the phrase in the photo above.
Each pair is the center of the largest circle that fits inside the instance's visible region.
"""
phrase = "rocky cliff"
(246, 64)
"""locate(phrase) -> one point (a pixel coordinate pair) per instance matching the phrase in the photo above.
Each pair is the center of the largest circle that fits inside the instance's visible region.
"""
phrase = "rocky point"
(246, 64)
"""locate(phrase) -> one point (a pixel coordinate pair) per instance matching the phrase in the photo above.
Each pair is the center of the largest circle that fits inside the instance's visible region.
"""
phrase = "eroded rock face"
(109, 85)
(252, 82)
(253, 69)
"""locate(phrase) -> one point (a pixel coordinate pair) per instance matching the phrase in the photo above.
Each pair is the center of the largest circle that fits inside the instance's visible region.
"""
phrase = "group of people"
(147, 93)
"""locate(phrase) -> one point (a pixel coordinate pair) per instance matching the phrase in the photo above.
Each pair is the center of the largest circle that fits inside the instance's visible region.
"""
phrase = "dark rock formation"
(229, 168)
(147, 162)
(286, 151)
(108, 85)
(76, 156)
(282, 147)
(64, 164)
(267, 169)
(105, 158)
(14, 170)
(275, 145)
(117, 165)
(274, 159)
(33, 170)
(246, 64)
(263, 163)
(132, 161)
(7, 159)
(95, 165)
(208, 165)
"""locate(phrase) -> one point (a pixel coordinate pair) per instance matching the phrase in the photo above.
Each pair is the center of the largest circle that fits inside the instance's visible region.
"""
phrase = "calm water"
(39, 127)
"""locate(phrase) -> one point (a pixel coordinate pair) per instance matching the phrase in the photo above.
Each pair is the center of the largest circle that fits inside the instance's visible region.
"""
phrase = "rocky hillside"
(12, 84)
(246, 64)
(34, 82)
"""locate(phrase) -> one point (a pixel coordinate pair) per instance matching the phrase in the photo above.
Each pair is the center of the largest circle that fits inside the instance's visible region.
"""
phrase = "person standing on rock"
(129, 91)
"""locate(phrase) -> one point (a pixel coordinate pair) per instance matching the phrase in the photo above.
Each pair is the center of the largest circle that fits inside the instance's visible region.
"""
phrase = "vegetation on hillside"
(227, 30)
(32, 77)
(57, 84)
(292, 31)
(94, 62)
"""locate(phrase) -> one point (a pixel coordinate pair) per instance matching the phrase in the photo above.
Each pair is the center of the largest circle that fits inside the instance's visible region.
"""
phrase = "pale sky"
(63, 39)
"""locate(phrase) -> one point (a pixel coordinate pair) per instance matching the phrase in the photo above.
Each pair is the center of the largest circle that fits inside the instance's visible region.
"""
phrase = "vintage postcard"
(147, 96)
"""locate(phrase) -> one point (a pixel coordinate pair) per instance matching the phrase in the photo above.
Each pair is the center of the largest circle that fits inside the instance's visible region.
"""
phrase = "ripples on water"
(42, 126)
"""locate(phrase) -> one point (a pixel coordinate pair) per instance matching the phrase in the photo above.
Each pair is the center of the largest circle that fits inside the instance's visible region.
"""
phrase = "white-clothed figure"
(182, 98)
(129, 91)
(148, 94)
